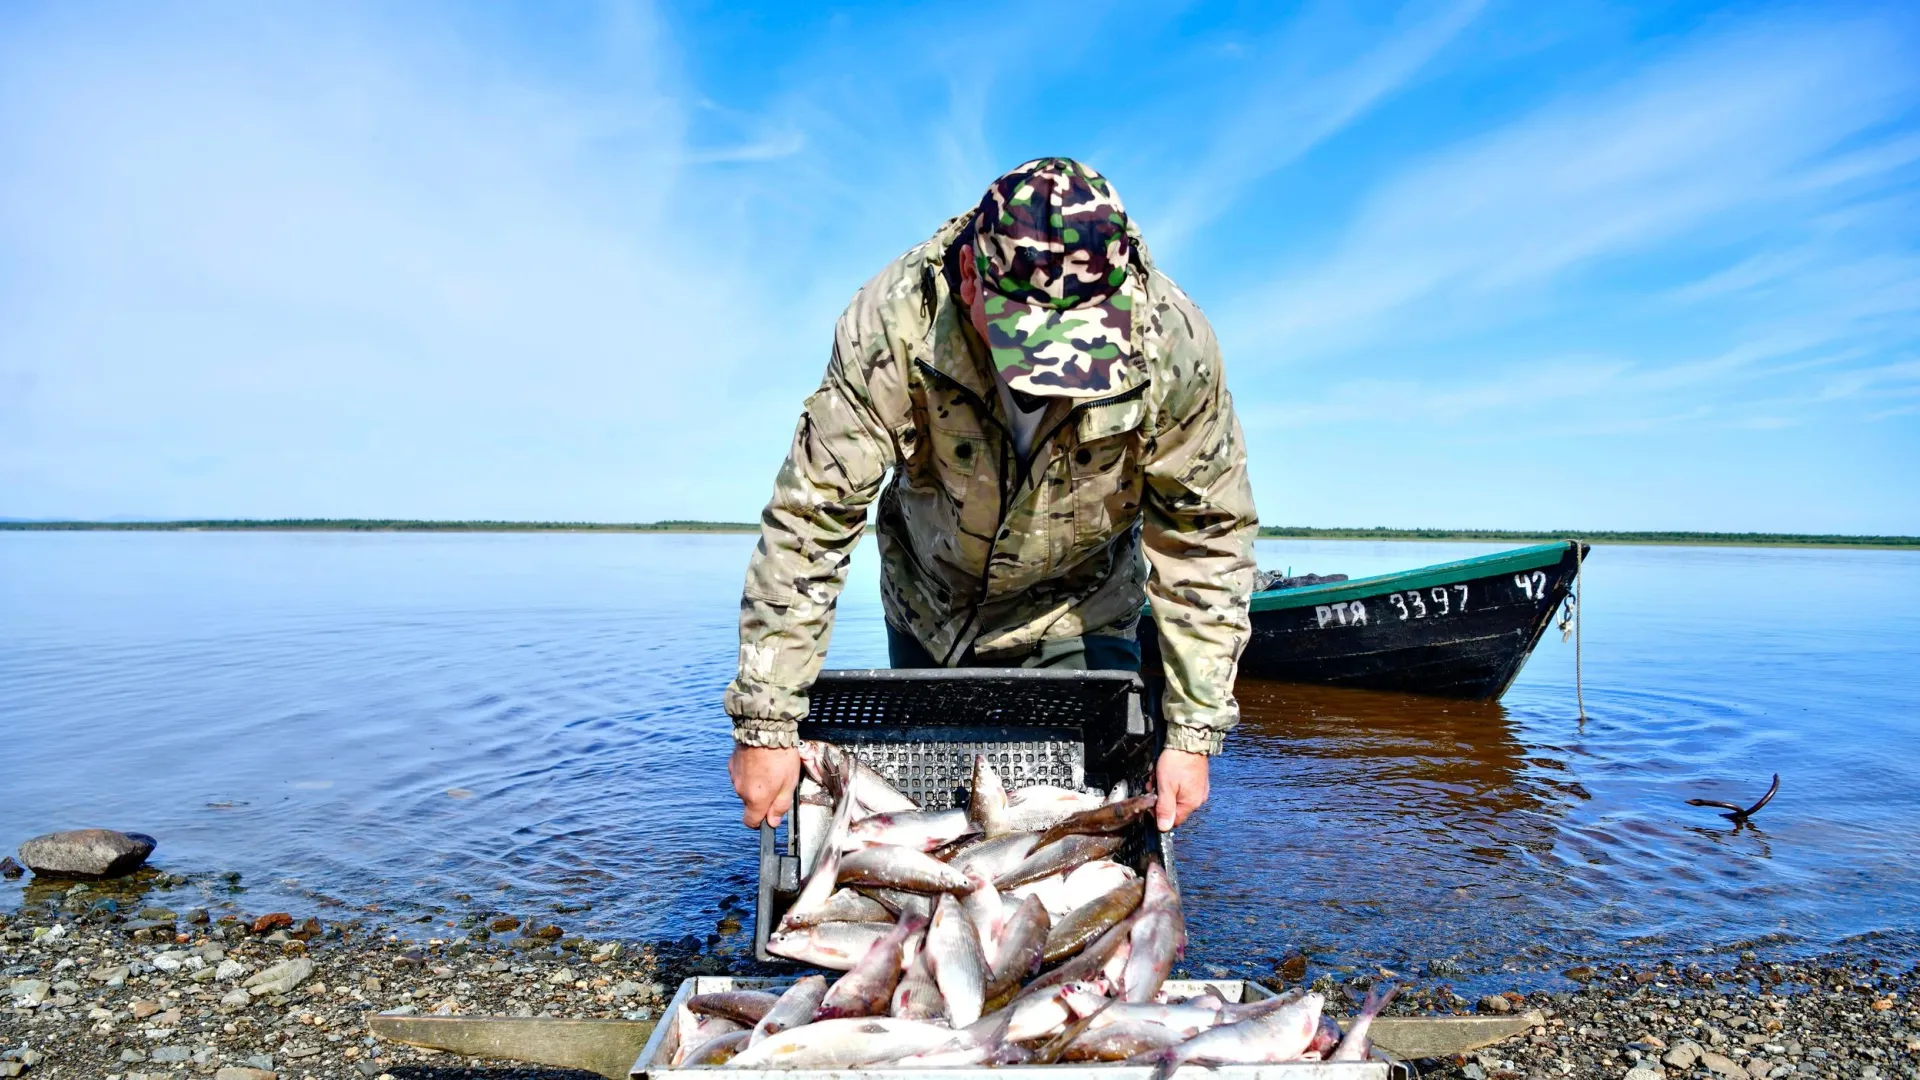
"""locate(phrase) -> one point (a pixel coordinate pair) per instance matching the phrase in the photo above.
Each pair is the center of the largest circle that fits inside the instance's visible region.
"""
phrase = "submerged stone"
(86, 853)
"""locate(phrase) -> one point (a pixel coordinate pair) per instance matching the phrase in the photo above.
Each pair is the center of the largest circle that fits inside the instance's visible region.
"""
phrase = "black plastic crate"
(921, 727)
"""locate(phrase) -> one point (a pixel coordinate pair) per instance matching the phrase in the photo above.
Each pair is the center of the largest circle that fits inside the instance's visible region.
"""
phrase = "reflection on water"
(530, 724)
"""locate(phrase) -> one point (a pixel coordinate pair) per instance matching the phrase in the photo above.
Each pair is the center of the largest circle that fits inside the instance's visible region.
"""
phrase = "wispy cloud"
(1315, 90)
(1746, 119)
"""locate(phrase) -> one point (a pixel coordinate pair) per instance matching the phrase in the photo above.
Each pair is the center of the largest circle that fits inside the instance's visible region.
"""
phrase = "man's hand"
(1181, 779)
(764, 778)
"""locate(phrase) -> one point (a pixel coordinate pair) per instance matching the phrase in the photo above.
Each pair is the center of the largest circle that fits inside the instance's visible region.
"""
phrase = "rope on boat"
(1575, 600)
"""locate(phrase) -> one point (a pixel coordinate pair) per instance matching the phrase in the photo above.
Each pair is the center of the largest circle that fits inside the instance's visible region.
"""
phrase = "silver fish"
(974, 1045)
(959, 967)
(895, 867)
(1064, 855)
(983, 907)
(1159, 937)
(1104, 819)
(1355, 1045)
(812, 817)
(1016, 954)
(1184, 1019)
(839, 769)
(836, 945)
(922, 830)
(867, 989)
(1092, 881)
(845, 905)
(1118, 1040)
(1281, 1035)
(741, 1006)
(820, 885)
(696, 1031)
(1042, 806)
(900, 901)
(917, 997)
(718, 1050)
(1041, 1014)
(846, 1043)
(995, 856)
(795, 1007)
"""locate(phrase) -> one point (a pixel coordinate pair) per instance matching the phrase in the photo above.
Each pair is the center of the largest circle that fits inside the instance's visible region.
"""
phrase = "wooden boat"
(1459, 629)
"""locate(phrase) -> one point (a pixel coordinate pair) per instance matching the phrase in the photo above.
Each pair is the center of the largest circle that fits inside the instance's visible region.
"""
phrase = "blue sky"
(1474, 264)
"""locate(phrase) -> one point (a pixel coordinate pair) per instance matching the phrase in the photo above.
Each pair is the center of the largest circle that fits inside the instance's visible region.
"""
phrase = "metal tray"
(920, 728)
(660, 1049)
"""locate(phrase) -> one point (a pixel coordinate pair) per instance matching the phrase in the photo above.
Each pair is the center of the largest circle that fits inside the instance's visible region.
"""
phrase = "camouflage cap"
(1050, 243)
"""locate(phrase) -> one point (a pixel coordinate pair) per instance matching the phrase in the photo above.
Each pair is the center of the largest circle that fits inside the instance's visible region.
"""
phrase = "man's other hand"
(1181, 779)
(764, 778)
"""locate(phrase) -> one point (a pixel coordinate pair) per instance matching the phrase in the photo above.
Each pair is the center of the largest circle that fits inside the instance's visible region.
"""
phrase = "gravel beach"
(92, 990)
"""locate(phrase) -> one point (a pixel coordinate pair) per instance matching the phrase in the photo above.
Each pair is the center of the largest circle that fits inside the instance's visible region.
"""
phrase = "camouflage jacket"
(982, 552)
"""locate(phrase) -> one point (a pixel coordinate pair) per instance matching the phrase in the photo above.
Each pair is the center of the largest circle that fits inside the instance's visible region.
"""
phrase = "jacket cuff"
(772, 734)
(1195, 739)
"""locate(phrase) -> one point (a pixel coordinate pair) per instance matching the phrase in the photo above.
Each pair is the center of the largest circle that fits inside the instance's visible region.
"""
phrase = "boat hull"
(1461, 629)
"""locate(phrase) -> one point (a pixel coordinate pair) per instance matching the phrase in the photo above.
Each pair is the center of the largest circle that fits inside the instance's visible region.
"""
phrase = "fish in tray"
(1001, 934)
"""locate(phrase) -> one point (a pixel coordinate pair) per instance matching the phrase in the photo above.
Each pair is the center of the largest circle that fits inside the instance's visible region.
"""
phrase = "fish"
(1051, 891)
(1118, 1040)
(867, 989)
(991, 857)
(744, 1007)
(836, 945)
(1063, 855)
(820, 884)
(1355, 1045)
(1325, 1040)
(987, 799)
(922, 830)
(697, 1030)
(1042, 1014)
(1018, 950)
(1185, 1019)
(1042, 806)
(795, 1007)
(844, 905)
(1282, 1034)
(812, 817)
(972, 1046)
(846, 1043)
(718, 1050)
(982, 904)
(839, 769)
(1103, 820)
(917, 996)
(894, 867)
(1093, 880)
(1049, 1052)
(1091, 920)
(1091, 960)
(1159, 937)
(899, 901)
(959, 967)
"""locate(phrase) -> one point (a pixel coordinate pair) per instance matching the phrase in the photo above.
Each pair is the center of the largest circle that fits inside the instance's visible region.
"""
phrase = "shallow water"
(533, 721)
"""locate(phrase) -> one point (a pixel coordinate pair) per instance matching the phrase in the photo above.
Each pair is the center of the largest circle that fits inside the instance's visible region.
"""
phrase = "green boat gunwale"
(1526, 558)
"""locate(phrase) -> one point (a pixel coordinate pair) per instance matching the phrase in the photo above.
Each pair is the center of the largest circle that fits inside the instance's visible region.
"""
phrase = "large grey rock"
(280, 978)
(86, 853)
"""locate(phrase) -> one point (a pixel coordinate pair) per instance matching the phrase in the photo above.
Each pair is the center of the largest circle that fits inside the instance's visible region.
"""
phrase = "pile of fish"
(1003, 933)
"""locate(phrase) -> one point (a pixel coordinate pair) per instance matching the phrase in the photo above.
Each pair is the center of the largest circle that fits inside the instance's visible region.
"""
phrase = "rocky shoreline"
(95, 991)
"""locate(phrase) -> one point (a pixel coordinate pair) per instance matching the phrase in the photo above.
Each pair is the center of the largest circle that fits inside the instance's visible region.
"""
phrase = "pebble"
(1496, 1003)
(93, 853)
(562, 977)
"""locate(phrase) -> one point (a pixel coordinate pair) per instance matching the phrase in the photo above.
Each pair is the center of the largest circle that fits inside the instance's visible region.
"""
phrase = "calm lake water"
(533, 721)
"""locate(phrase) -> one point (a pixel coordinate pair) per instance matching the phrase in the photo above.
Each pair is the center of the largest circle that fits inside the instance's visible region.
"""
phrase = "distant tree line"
(377, 525)
(1381, 532)
(1378, 532)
